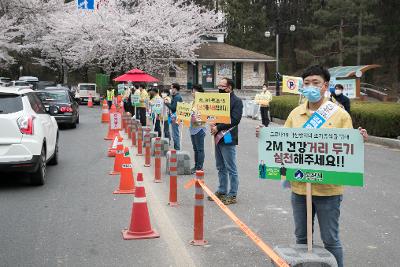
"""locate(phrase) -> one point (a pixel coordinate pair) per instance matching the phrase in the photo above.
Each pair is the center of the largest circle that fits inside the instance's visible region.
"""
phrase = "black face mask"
(222, 91)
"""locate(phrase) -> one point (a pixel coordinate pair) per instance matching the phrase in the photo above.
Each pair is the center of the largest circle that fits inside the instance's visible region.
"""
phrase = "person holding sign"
(156, 104)
(317, 112)
(164, 113)
(176, 97)
(263, 100)
(141, 108)
(197, 134)
(226, 139)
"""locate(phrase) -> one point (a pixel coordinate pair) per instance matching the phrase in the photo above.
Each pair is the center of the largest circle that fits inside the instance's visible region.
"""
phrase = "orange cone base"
(173, 204)
(126, 235)
(111, 153)
(119, 191)
(157, 181)
(198, 242)
(114, 173)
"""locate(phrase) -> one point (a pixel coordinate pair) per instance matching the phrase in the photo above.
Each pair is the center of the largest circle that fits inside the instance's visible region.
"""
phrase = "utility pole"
(359, 37)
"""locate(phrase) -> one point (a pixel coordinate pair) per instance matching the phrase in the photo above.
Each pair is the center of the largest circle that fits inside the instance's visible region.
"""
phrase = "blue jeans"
(175, 135)
(225, 159)
(328, 213)
(198, 148)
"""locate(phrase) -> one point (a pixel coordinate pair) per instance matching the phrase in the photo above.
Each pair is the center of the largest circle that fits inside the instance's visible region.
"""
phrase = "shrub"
(379, 118)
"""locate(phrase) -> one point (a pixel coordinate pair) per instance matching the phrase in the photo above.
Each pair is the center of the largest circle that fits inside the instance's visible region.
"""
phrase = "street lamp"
(268, 34)
(20, 70)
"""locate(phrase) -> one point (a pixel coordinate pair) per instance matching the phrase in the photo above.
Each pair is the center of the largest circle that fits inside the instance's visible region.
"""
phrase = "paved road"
(74, 220)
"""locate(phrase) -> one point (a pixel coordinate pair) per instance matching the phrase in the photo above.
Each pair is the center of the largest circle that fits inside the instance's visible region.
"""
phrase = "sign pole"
(309, 216)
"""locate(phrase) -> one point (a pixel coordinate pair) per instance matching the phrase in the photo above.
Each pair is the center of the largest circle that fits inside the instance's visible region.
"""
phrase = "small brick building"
(216, 59)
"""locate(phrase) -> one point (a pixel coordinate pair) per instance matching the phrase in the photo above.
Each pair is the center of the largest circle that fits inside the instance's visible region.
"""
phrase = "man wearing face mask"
(339, 98)
(226, 139)
(176, 97)
(326, 198)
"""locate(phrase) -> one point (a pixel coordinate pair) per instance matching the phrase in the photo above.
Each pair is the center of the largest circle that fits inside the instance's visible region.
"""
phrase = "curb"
(388, 142)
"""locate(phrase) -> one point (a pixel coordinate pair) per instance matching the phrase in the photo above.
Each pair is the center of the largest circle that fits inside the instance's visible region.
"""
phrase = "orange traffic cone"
(90, 101)
(140, 227)
(119, 155)
(112, 149)
(114, 125)
(126, 183)
(105, 114)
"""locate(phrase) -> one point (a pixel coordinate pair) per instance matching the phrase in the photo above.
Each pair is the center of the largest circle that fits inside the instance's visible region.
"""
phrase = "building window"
(255, 67)
(172, 72)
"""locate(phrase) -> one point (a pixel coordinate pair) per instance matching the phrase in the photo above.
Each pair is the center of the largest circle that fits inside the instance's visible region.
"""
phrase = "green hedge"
(380, 119)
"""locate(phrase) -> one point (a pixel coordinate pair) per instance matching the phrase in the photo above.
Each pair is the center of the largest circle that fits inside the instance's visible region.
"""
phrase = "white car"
(28, 135)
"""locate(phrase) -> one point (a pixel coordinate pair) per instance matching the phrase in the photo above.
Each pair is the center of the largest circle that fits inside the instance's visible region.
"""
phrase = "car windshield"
(61, 96)
(10, 103)
(5, 80)
(90, 87)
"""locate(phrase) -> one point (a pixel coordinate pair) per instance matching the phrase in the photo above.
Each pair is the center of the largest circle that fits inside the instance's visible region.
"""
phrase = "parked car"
(5, 80)
(31, 80)
(19, 84)
(86, 89)
(61, 104)
(28, 136)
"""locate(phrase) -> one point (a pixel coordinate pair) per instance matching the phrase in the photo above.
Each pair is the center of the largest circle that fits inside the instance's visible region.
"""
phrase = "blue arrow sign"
(85, 4)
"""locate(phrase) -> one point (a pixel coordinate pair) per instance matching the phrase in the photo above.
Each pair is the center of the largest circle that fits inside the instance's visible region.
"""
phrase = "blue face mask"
(312, 93)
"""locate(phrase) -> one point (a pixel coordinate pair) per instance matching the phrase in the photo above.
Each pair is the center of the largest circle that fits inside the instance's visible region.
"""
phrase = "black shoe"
(192, 170)
(229, 200)
(218, 195)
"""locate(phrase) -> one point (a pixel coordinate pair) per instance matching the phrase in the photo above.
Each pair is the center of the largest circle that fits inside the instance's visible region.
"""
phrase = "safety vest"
(110, 95)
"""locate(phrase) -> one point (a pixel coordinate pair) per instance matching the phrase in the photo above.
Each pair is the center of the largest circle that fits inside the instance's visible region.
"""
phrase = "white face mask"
(170, 91)
(338, 92)
(163, 95)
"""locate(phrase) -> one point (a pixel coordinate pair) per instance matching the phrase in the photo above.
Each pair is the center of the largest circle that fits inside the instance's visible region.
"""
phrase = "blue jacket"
(174, 102)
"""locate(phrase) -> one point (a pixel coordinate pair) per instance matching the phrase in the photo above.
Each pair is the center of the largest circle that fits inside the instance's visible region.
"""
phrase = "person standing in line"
(226, 138)
(110, 96)
(155, 98)
(126, 100)
(176, 97)
(263, 100)
(164, 113)
(141, 108)
(339, 98)
(197, 134)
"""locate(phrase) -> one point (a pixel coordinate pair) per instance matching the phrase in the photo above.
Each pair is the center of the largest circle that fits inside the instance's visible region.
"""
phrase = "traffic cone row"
(140, 226)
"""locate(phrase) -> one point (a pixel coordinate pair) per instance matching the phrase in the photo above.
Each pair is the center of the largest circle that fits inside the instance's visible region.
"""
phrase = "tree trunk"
(341, 43)
(359, 38)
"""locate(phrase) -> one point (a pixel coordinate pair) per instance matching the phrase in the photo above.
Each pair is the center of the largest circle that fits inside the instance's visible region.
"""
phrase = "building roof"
(225, 52)
(349, 71)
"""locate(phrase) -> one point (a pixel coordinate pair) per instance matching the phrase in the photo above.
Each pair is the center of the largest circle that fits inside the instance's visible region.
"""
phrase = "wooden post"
(309, 216)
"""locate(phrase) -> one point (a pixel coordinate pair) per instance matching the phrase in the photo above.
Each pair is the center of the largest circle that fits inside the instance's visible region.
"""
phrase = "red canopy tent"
(136, 75)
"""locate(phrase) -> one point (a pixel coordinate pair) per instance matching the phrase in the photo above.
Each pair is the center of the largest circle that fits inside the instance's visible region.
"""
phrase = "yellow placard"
(291, 84)
(184, 113)
(213, 107)
(263, 99)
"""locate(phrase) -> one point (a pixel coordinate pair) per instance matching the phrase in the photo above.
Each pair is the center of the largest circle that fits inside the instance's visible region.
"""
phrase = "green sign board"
(322, 156)
(157, 106)
(135, 99)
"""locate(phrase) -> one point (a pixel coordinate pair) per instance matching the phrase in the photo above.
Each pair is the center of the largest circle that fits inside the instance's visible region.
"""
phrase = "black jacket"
(343, 100)
(236, 116)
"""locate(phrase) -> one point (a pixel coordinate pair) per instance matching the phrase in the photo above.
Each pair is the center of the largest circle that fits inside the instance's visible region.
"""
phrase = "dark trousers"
(166, 130)
(198, 148)
(327, 210)
(109, 103)
(141, 115)
(157, 127)
(264, 116)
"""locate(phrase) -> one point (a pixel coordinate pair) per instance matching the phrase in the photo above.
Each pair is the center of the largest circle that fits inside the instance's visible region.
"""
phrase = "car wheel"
(54, 159)
(73, 125)
(77, 120)
(39, 177)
